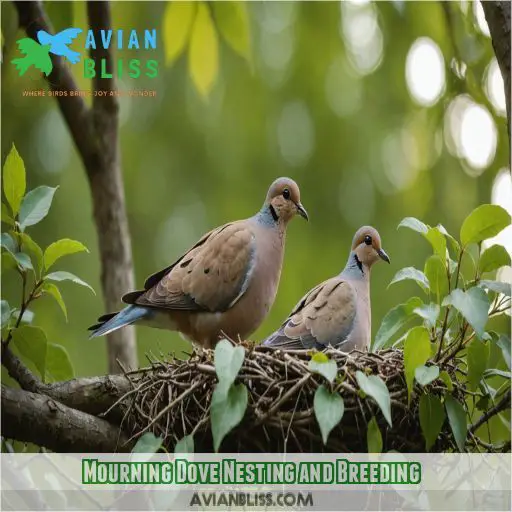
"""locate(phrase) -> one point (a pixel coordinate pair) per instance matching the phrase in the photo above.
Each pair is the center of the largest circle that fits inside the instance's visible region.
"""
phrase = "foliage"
(456, 319)
(229, 401)
(199, 24)
(23, 256)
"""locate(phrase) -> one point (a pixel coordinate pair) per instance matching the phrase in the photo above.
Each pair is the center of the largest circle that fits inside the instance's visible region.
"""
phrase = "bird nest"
(172, 399)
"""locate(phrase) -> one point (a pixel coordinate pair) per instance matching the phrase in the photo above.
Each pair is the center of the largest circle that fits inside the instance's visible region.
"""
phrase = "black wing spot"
(206, 270)
(186, 263)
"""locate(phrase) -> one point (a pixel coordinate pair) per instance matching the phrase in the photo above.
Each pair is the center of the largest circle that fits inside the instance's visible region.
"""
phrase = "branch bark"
(93, 395)
(497, 15)
(38, 419)
(95, 133)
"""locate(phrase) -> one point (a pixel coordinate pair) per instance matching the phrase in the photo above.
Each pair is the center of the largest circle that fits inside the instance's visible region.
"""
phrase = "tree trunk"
(95, 133)
(497, 15)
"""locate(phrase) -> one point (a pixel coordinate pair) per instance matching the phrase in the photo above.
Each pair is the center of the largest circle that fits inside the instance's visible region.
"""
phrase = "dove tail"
(113, 321)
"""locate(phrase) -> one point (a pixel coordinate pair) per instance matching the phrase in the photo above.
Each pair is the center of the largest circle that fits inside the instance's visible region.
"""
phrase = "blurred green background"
(378, 110)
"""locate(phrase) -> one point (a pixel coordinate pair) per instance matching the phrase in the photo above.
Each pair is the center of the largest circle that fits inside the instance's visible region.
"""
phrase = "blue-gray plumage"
(337, 311)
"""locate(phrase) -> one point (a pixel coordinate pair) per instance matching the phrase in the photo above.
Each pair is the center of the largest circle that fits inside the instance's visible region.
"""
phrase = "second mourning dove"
(337, 311)
(225, 284)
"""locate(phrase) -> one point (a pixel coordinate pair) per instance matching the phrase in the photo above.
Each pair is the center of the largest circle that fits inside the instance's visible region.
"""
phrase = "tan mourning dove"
(337, 311)
(225, 284)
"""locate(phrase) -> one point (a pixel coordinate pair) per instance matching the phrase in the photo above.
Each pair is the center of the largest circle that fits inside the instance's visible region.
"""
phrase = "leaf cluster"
(22, 256)
(461, 293)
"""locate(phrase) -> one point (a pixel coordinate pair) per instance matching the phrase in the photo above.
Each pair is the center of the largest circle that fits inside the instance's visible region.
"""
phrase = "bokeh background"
(378, 110)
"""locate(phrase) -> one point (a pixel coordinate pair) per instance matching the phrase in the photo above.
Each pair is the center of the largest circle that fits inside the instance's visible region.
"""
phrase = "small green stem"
(445, 321)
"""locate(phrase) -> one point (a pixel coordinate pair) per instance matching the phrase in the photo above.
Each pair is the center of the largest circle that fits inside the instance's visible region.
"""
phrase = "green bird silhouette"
(35, 55)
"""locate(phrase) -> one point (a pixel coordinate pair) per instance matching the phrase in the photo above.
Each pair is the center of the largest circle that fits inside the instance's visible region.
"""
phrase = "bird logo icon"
(58, 43)
(36, 53)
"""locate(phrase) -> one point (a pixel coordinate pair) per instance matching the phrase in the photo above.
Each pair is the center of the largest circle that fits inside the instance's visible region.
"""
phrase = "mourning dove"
(225, 284)
(337, 311)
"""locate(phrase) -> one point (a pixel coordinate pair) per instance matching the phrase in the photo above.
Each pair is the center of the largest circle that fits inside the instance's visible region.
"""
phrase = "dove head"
(44, 38)
(283, 200)
(367, 248)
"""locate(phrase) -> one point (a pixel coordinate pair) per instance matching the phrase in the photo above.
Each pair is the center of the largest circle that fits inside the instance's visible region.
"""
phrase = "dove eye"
(368, 240)
(286, 193)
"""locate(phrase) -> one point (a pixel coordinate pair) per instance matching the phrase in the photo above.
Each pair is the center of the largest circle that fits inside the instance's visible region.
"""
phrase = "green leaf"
(58, 363)
(504, 343)
(437, 241)
(457, 418)
(228, 361)
(14, 180)
(445, 377)
(374, 437)
(52, 290)
(203, 54)
(424, 375)
(451, 239)
(6, 313)
(178, 18)
(483, 222)
(6, 216)
(23, 260)
(185, 445)
(61, 275)
(496, 286)
(232, 21)
(61, 248)
(473, 305)
(7, 242)
(432, 417)
(416, 353)
(375, 387)
(414, 224)
(34, 248)
(413, 274)
(436, 275)
(493, 258)
(8, 262)
(32, 344)
(429, 313)
(35, 206)
(478, 357)
(394, 320)
(227, 411)
(323, 366)
(148, 443)
(329, 408)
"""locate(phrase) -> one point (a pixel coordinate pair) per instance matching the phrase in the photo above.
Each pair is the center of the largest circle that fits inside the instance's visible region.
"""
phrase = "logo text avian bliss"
(37, 53)
(121, 40)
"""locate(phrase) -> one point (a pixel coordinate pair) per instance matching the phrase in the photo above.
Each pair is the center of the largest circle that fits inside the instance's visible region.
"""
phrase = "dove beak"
(302, 211)
(383, 255)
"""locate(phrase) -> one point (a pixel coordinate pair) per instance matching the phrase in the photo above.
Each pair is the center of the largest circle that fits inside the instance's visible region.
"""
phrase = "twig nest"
(172, 399)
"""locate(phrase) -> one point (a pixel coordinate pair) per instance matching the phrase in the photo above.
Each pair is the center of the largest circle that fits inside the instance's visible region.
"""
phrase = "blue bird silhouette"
(58, 43)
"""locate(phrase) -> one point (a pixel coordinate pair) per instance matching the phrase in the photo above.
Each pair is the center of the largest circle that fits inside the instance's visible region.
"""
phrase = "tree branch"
(95, 133)
(32, 18)
(39, 419)
(497, 15)
(93, 395)
(503, 404)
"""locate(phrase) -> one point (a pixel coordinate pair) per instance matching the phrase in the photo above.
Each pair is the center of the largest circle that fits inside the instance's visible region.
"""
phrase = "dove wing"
(324, 316)
(212, 276)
